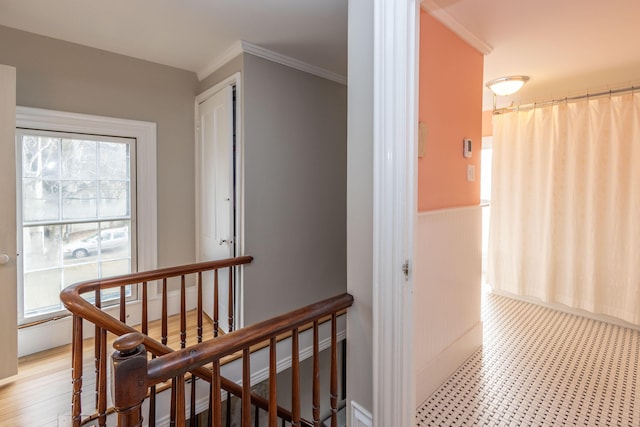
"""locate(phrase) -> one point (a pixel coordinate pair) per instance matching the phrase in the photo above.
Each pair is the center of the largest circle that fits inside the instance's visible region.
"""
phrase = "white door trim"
(233, 80)
(8, 269)
(394, 208)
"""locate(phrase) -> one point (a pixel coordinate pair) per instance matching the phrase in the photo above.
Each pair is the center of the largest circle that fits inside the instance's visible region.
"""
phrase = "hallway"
(541, 367)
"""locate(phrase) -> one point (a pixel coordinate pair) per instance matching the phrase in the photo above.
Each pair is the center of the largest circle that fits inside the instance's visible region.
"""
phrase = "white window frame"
(132, 216)
(57, 332)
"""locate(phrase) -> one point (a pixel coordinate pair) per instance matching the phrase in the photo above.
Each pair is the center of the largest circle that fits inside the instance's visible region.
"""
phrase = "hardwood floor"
(40, 395)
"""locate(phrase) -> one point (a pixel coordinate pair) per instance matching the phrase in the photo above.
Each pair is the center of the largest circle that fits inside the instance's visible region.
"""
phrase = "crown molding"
(231, 52)
(435, 10)
(242, 46)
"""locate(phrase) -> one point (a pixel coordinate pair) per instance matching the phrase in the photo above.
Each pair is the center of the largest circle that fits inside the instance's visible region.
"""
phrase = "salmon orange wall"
(450, 103)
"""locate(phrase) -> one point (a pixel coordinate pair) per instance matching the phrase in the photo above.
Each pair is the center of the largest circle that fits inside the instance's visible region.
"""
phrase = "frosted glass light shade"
(504, 86)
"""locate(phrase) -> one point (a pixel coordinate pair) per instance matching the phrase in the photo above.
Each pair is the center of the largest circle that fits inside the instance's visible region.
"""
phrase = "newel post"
(129, 379)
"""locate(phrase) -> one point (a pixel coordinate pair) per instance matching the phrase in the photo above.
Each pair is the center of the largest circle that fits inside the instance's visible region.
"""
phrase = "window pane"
(80, 272)
(41, 157)
(42, 291)
(114, 198)
(42, 247)
(67, 181)
(116, 244)
(114, 161)
(40, 200)
(79, 200)
(79, 159)
(115, 268)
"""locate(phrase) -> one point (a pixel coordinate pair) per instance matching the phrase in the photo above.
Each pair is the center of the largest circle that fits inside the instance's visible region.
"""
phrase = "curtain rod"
(565, 99)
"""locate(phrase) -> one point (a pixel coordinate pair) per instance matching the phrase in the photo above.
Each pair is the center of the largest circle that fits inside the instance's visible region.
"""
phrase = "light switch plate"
(471, 173)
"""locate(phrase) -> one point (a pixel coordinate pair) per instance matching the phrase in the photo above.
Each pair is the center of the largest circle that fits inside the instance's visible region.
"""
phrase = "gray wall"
(360, 204)
(295, 188)
(63, 76)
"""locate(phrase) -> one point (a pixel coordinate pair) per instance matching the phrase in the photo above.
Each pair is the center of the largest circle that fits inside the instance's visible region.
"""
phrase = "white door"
(215, 183)
(8, 281)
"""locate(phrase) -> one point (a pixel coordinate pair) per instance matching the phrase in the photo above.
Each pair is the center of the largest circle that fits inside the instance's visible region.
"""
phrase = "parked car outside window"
(108, 239)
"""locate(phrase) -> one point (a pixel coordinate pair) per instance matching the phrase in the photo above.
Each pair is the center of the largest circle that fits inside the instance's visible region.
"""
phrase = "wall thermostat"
(466, 147)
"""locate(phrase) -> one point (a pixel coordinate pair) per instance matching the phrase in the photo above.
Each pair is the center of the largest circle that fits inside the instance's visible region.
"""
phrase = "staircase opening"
(283, 371)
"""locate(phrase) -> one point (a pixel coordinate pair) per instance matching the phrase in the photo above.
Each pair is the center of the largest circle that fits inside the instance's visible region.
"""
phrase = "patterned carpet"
(541, 367)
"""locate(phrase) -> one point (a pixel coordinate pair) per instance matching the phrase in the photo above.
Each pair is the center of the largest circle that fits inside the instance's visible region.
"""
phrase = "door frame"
(8, 267)
(395, 122)
(233, 80)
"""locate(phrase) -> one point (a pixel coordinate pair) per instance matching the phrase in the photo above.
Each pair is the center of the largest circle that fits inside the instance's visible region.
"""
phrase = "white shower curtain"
(565, 208)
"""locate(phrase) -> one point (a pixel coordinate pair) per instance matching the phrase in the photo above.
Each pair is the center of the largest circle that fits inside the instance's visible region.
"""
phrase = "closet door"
(8, 281)
(216, 201)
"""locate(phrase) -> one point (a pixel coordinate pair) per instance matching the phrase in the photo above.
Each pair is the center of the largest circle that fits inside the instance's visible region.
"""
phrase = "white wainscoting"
(447, 294)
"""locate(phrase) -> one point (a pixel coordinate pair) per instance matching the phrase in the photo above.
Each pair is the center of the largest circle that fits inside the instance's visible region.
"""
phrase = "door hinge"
(405, 270)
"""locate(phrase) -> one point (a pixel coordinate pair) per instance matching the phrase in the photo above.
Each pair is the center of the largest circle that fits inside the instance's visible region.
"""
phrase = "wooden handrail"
(202, 360)
(72, 301)
(194, 358)
(191, 358)
(72, 298)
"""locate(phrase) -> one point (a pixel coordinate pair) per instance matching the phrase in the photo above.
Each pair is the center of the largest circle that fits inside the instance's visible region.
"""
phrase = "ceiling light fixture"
(504, 86)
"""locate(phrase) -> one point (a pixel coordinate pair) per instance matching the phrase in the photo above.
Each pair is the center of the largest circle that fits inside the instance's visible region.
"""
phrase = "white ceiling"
(567, 47)
(191, 34)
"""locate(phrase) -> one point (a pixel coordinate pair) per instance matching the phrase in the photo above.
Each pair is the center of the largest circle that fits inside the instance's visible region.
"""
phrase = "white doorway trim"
(233, 80)
(394, 194)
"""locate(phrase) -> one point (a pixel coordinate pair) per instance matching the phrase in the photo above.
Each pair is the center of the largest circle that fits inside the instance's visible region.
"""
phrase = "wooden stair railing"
(74, 299)
(163, 359)
(134, 373)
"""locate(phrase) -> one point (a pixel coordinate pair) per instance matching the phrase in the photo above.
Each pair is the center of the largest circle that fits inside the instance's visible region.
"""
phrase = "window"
(76, 212)
(135, 139)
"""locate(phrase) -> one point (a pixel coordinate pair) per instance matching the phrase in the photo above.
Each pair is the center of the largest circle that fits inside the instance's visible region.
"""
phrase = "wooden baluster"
(199, 307)
(230, 308)
(316, 377)
(334, 373)
(183, 343)
(165, 321)
(273, 384)
(76, 371)
(96, 346)
(183, 312)
(215, 404)
(192, 413)
(123, 304)
(102, 379)
(145, 309)
(172, 409)
(164, 312)
(215, 303)
(145, 331)
(295, 379)
(256, 417)
(129, 378)
(228, 424)
(246, 388)
(180, 402)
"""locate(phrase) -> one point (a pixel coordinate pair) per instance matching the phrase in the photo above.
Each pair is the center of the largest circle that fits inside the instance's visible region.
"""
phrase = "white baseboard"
(360, 417)
(444, 364)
